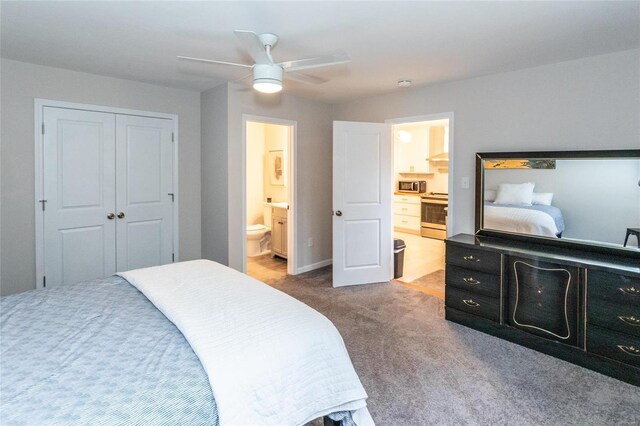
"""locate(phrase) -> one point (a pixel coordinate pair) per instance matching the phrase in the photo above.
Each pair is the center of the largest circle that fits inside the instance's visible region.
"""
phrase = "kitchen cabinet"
(413, 157)
(279, 232)
(406, 213)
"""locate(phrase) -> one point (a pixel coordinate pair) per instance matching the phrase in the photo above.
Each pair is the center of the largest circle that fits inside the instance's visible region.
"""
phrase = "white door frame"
(292, 185)
(451, 211)
(39, 105)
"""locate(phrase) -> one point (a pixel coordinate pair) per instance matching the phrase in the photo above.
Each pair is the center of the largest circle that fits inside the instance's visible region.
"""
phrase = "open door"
(362, 209)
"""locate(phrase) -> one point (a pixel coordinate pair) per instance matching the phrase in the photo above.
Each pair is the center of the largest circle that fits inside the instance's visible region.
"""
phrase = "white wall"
(276, 138)
(599, 198)
(591, 103)
(215, 182)
(313, 161)
(20, 83)
(255, 173)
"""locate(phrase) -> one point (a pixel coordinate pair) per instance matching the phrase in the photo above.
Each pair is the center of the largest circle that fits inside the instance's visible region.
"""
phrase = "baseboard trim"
(313, 266)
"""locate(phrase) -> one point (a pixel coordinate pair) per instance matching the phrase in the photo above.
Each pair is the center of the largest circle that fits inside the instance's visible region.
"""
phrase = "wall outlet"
(465, 183)
(310, 242)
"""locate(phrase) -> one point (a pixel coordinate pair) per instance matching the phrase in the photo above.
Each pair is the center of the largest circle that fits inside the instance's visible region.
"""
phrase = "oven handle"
(443, 202)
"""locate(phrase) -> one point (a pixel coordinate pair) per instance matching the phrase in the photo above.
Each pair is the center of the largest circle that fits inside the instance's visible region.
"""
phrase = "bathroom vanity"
(572, 299)
(279, 232)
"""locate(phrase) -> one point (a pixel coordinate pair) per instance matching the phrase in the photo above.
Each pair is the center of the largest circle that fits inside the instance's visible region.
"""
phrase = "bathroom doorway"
(269, 198)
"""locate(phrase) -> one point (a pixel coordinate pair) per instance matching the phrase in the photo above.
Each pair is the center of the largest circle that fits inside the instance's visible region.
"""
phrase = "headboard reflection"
(587, 198)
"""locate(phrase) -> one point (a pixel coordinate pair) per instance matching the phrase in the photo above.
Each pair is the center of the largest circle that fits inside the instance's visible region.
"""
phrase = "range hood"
(440, 157)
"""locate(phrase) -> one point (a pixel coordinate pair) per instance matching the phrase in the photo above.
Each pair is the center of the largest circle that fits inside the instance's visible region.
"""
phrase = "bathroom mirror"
(582, 198)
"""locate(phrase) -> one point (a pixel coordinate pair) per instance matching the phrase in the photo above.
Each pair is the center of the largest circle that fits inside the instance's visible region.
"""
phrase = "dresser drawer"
(474, 281)
(409, 199)
(482, 306)
(618, 346)
(407, 222)
(624, 318)
(613, 287)
(472, 258)
(407, 209)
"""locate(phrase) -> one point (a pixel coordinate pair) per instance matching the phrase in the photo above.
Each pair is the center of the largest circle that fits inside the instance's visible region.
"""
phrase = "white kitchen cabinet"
(279, 232)
(413, 157)
(406, 213)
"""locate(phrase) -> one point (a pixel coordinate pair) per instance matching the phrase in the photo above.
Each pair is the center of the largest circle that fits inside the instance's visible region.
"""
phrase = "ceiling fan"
(267, 74)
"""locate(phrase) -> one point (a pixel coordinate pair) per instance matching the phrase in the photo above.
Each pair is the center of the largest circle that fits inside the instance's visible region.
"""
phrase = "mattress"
(97, 353)
(535, 219)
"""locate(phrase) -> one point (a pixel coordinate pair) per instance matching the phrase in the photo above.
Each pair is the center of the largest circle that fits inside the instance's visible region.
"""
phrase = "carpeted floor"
(419, 369)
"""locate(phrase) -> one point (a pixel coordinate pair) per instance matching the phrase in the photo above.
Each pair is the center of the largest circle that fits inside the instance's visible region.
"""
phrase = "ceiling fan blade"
(211, 61)
(304, 78)
(253, 46)
(321, 61)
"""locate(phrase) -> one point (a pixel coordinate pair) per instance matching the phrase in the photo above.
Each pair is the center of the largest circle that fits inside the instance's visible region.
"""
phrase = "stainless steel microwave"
(413, 186)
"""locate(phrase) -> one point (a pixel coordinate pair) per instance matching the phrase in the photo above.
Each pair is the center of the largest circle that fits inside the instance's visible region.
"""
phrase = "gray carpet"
(419, 369)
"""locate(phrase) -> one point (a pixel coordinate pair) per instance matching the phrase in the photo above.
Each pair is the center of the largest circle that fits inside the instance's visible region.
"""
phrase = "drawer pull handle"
(470, 280)
(631, 350)
(631, 291)
(630, 320)
(471, 303)
(471, 259)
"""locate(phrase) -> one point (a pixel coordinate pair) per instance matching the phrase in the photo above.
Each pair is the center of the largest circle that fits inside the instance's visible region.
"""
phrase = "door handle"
(120, 215)
(111, 216)
(338, 213)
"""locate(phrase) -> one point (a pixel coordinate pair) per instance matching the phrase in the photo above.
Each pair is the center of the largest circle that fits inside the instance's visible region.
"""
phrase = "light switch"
(465, 183)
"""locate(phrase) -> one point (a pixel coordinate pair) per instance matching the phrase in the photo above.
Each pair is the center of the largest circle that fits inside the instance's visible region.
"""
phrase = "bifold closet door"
(79, 175)
(144, 188)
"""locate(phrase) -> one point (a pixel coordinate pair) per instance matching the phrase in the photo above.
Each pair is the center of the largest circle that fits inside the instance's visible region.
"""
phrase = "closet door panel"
(144, 182)
(79, 177)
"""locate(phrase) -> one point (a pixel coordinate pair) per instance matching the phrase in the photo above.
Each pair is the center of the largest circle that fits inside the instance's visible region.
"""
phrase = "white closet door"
(144, 182)
(79, 176)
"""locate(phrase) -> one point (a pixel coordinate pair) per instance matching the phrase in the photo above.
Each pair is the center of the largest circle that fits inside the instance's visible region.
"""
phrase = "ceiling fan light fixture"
(267, 78)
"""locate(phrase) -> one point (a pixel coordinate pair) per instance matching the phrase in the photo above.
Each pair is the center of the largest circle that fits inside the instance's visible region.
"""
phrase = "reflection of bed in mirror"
(541, 220)
(595, 194)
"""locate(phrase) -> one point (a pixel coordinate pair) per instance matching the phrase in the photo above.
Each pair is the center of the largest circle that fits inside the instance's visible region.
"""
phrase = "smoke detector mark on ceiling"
(403, 84)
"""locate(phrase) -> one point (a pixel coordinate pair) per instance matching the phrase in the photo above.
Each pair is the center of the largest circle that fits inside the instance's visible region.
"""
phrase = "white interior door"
(79, 171)
(362, 243)
(144, 188)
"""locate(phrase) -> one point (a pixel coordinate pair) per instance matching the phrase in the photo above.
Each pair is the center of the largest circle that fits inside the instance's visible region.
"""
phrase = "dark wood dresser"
(577, 305)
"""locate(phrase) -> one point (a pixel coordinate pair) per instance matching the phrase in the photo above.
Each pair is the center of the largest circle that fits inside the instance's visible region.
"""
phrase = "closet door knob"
(120, 215)
(338, 213)
(111, 216)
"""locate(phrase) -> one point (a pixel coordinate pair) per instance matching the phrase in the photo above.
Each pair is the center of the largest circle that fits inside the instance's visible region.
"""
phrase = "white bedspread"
(524, 221)
(271, 360)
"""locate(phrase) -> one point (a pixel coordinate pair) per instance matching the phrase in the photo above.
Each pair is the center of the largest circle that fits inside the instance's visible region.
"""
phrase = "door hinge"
(43, 203)
(43, 128)
(173, 257)
(172, 197)
(44, 281)
(173, 137)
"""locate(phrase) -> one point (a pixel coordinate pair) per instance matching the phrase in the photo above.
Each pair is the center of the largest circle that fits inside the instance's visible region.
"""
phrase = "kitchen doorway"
(422, 147)
(269, 197)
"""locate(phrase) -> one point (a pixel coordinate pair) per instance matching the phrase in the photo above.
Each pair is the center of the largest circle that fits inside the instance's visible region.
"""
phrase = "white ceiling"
(427, 42)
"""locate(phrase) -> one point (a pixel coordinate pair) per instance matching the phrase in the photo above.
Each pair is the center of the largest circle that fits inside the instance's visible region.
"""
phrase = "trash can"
(398, 257)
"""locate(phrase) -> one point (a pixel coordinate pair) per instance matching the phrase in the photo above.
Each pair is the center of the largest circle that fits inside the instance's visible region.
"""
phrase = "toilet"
(259, 235)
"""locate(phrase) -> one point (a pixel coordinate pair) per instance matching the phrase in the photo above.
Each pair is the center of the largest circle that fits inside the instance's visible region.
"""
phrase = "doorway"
(269, 198)
(422, 180)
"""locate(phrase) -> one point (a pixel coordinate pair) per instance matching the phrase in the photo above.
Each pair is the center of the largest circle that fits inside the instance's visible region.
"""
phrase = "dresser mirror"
(581, 198)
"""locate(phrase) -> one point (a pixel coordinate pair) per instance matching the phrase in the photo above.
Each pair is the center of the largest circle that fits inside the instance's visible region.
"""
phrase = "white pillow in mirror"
(489, 194)
(515, 193)
(542, 198)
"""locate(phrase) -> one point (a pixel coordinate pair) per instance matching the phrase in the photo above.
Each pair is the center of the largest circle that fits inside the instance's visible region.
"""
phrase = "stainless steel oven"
(433, 217)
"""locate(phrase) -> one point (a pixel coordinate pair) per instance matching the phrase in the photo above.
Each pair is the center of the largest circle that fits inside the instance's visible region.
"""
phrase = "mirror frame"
(569, 244)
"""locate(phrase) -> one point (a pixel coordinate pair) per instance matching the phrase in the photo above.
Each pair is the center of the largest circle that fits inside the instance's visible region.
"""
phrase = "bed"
(189, 343)
(536, 219)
